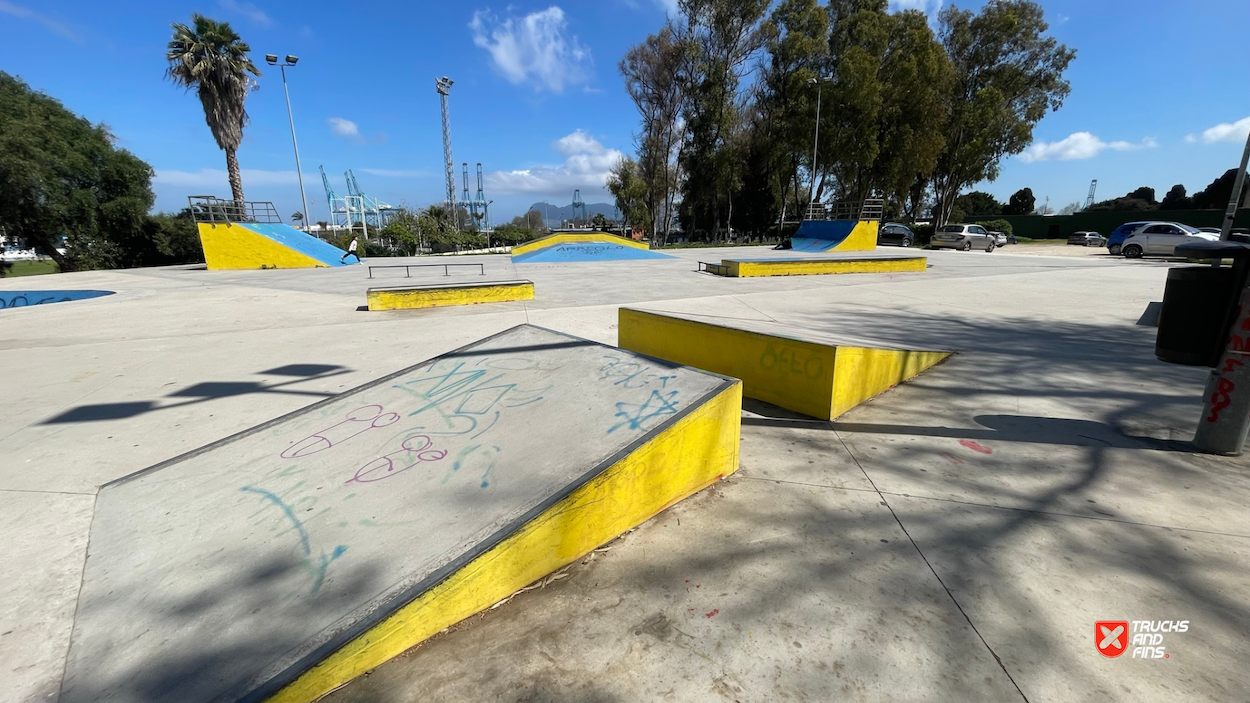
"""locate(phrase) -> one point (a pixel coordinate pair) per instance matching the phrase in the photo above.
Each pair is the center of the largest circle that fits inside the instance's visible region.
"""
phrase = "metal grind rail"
(408, 272)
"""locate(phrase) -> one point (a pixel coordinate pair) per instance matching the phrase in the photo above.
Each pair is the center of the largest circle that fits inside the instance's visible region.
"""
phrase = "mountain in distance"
(556, 213)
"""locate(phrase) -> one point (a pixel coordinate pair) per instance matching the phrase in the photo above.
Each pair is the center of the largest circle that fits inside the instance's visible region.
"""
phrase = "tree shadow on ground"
(825, 568)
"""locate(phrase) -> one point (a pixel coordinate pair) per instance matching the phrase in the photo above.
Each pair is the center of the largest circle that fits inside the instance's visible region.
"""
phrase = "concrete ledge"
(821, 377)
(416, 296)
(748, 268)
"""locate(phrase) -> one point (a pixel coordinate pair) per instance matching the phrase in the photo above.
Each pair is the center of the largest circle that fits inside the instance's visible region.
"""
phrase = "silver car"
(963, 238)
(1161, 239)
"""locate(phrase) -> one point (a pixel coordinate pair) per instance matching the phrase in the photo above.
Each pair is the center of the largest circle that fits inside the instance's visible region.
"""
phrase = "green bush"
(924, 233)
(997, 226)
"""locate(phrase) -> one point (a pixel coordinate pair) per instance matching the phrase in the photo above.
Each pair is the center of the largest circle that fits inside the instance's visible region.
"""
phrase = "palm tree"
(209, 57)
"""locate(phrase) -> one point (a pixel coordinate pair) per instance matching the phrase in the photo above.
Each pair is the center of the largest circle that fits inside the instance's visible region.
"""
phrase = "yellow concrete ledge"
(432, 296)
(690, 454)
(747, 268)
(819, 379)
(576, 238)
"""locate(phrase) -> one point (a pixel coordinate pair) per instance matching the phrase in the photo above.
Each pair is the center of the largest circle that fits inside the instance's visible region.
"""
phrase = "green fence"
(1104, 221)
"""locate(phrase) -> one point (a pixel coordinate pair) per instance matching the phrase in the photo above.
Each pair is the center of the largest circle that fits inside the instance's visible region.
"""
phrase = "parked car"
(1161, 239)
(1119, 234)
(896, 234)
(963, 237)
(1000, 239)
(1210, 230)
(1088, 239)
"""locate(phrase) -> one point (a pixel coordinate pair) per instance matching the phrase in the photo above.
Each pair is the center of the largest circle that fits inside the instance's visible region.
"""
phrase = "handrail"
(408, 273)
(212, 210)
(870, 209)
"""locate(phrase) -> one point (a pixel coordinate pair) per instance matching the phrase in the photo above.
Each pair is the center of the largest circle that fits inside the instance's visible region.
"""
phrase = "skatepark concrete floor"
(954, 539)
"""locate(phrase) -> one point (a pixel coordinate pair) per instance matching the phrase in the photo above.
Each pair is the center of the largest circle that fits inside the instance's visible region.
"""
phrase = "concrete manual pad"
(223, 574)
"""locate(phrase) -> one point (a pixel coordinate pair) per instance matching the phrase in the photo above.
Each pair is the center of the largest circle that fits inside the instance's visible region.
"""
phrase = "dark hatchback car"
(895, 234)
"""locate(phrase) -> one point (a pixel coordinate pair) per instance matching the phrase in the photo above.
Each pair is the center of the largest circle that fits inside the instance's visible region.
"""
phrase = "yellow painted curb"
(228, 246)
(413, 297)
(576, 238)
(694, 452)
(739, 268)
(818, 379)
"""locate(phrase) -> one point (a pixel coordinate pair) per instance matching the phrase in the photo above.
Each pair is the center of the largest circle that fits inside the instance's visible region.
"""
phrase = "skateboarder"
(351, 251)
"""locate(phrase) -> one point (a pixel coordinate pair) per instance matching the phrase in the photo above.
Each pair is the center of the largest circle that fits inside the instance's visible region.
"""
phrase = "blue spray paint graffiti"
(317, 567)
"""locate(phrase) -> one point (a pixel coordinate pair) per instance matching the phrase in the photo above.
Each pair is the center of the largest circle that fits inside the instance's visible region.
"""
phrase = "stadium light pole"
(289, 60)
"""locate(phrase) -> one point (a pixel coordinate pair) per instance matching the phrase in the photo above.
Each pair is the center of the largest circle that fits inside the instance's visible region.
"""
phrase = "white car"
(1161, 239)
(963, 238)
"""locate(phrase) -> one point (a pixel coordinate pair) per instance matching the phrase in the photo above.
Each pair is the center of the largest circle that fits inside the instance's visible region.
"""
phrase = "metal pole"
(1225, 420)
(1231, 213)
(815, 143)
(298, 170)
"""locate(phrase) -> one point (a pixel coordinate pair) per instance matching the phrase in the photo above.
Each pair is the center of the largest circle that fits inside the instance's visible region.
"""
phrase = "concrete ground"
(954, 539)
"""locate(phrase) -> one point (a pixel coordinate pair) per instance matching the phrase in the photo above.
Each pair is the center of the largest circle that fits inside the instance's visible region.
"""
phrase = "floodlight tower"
(443, 85)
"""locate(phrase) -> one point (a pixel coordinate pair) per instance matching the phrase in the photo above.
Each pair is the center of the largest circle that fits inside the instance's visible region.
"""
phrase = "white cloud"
(1224, 132)
(395, 173)
(929, 7)
(585, 166)
(535, 48)
(217, 178)
(26, 13)
(254, 14)
(344, 128)
(1081, 145)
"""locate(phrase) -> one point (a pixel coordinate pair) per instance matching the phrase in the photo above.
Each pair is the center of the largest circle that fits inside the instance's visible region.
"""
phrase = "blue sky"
(1158, 94)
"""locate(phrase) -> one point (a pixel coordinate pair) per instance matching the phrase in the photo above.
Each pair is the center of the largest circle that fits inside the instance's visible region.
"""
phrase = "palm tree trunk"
(236, 180)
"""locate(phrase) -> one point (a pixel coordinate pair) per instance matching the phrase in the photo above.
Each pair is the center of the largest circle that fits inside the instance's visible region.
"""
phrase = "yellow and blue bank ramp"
(251, 245)
(582, 246)
(835, 235)
(281, 562)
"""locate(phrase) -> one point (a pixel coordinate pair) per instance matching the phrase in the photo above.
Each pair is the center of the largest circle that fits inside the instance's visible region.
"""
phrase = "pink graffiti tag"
(416, 449)
(358, 421)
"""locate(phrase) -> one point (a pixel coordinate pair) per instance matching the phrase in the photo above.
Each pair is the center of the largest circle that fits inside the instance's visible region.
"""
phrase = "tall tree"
(722, 36)
(1176, 199)
(65, 185)
(212, 59)
(654, 79)
(981, 203)
(632, 193)
(1008, 74)
(1021, 202)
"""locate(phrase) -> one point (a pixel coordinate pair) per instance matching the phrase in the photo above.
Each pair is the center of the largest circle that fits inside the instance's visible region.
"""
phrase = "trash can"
(1192, 322)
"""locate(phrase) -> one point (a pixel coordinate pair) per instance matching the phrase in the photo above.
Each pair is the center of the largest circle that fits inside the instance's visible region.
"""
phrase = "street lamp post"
(272, 60)
(815, 141)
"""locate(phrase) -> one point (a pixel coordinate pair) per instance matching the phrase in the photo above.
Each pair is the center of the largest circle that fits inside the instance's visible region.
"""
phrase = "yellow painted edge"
(863, 237)
(732, 268)
(693, 453)
(230, 247)
(416, 298)
(862, 373)
(748, 269)
(792, 374)
(588, 237)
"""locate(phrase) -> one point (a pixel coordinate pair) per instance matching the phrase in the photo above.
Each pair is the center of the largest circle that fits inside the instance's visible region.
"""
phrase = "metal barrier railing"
(715, 269)
(211, 209)
(870, 209)
(408, 274)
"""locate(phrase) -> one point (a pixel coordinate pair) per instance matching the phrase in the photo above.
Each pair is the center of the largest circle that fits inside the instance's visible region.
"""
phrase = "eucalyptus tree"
(1008, 75)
